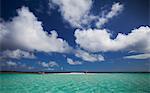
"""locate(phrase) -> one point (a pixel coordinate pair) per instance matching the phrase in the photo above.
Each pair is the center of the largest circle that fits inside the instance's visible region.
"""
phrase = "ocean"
(75, 83)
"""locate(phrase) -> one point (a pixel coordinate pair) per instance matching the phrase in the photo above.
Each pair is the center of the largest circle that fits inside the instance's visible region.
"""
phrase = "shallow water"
(75, 83)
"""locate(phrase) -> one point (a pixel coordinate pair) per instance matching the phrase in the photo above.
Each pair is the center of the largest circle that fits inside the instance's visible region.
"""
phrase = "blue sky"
(80, 35)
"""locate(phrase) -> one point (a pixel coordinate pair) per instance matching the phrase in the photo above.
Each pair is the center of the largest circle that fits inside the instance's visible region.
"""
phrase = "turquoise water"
(75, 83)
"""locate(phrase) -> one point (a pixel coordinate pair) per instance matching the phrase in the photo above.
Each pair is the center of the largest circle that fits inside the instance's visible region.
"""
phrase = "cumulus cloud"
(17, 54)
(26, 32)
(97, 40)
(74, 11)
(89, 57)
(78, 12)
(139, 56)
(115, 10)
(48, 64)
(72, 62)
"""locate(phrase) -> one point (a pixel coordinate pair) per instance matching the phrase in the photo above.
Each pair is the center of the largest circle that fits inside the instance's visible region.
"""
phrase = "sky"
(75, 35)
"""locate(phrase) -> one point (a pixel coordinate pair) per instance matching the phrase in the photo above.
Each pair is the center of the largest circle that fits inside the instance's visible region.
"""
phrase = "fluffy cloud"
(88, 57)
(17, 54)
(97, 40)
(139, 56)
(49, 64)
(115, 10)
(71, 62)
(74, 11)
(78, 12)
(26, 32)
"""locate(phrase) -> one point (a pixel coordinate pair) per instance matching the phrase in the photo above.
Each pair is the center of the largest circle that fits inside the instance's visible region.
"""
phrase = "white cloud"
(72, 62)
(26, 32)
(115, 10)
(52, 64)
(88, 57)
(97, 40)
(44, 64)
(48, 64)
(78, 12)
(74, 11)
(11, 63)
(139, 56)
(17, 54)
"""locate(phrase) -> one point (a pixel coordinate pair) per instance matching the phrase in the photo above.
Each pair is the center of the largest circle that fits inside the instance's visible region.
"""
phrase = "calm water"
(81, 83)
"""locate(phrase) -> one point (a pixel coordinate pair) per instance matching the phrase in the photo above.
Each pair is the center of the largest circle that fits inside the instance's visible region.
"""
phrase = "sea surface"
(75, 83)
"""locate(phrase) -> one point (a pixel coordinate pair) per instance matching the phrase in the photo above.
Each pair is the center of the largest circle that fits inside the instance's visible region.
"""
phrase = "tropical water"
(75, 83)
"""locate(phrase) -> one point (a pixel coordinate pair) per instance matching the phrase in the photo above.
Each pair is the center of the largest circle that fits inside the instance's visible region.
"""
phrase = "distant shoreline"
(69, 72)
